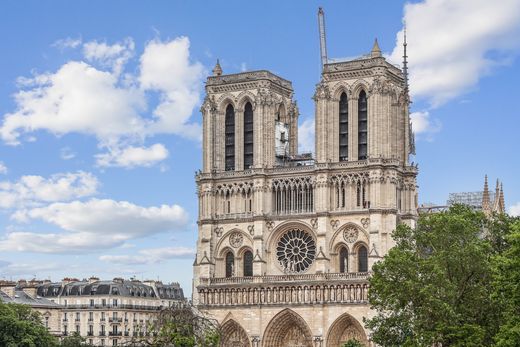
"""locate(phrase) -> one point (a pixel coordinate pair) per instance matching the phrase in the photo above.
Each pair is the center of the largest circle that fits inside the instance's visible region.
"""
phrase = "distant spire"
(501, 199)
(486, 204)
(405, 63)
(217, 70)
(496, 202)
(376, 51)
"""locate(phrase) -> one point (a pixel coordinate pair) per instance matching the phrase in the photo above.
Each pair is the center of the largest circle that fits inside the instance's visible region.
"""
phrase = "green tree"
(20, 326)
(74, 340)
(352, 343)
(181, 326)
(434, 287)
(507, 290)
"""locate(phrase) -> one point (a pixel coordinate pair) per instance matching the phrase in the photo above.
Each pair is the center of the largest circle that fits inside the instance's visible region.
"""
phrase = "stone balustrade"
(285, 289)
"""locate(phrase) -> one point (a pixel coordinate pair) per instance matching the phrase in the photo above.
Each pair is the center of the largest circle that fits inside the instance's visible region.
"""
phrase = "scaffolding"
(472, 199)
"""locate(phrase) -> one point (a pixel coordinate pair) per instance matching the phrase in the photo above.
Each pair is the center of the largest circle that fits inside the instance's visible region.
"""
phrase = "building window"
(230, 264)
(362, 126)
(230, 138)
(91, 302)
(343, 127)
(362, 259)
(77, 329)
(248, 136)
(343, 260)
(77, 316)
(102, 342)
(47, 322)
(114, 302)
(102, 316)
(248, 263)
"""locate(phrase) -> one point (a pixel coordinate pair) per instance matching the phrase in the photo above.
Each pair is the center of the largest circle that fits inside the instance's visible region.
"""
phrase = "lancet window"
(230, 138)
(343, 127)
(248, 136)
(248, 263)
(362, 259)
(343, 260)
(294, 195)
(230, 264)
(362, 126)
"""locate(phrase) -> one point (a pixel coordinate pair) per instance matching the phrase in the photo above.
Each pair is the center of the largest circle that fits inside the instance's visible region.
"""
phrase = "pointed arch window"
(230, 264)
(343, 127)
(230, 138)
(248, 263)
(362, 126)
(362, 259)
(248, 136)
(343, 260)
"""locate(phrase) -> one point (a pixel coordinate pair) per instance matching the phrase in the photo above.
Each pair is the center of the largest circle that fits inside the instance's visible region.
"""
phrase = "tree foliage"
(20, 326)
(507, 290)
(352, 343)
(434, 288)
(180, 326)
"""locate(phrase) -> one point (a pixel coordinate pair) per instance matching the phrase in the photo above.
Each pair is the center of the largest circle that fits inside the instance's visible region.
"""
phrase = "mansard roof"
(119, 287)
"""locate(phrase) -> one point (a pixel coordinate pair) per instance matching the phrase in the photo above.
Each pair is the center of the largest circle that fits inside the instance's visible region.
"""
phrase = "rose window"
(296, 251)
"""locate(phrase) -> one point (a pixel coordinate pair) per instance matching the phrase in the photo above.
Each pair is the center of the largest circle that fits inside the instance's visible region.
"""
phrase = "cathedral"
(286, 241)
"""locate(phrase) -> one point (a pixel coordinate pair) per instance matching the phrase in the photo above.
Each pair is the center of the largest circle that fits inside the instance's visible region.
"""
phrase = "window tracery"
(296, 251)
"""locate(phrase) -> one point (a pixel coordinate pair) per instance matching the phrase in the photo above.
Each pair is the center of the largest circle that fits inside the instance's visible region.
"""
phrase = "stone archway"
(287, 329)
(233, 335)
(345, 328)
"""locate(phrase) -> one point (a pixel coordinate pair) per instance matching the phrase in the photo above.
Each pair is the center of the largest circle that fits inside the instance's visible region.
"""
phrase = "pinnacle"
(376, 51)
(217, 70)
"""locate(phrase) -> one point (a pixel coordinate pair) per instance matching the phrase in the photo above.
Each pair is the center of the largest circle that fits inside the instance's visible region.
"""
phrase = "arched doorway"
(287, 329)
(233, 335)
(343, 329)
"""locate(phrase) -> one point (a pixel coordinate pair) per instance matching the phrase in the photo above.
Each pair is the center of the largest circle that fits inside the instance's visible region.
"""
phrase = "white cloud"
(453, 44)
(3, 168)
(95, 98)
(109, 217)
(31, 189)
(66, 153)
(150, 256)
(77, 98)
(166, 68)
(67, 43)
(130, 157)
(514, 210)
(306, 135)
(114, 56)
(423, 124)
(23, 269)
(92, 225)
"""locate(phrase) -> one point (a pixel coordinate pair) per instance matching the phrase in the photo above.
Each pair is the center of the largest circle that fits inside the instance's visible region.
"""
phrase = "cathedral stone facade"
(286, 240)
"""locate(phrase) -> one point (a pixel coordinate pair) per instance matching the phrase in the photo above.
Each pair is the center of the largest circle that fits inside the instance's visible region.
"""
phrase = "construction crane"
(323, 42)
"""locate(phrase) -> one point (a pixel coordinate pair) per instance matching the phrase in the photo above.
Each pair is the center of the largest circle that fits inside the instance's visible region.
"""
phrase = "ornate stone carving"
(334, 223)
(350, 234)
(236, 239)
(270, 225)
(322, 92)
(365, 222)
(251, 229)
(219, 231)
(314, 223)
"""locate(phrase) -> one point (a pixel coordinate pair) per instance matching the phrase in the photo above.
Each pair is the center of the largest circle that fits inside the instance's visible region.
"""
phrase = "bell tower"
(362, 111)
(249, 121)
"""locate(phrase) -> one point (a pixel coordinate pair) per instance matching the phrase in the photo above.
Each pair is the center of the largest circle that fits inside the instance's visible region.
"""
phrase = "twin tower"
(287, 240)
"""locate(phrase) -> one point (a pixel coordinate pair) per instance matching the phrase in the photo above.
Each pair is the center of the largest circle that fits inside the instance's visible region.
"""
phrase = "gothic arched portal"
(287, 329)
(233, 335)
(343, 329)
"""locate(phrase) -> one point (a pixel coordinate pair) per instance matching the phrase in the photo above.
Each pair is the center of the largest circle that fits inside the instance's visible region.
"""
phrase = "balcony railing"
(115, 333)
(352, 276)
(102, 333)
(115, 320)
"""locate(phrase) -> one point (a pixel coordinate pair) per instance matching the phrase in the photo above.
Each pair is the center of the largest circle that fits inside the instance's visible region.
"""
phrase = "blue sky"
(100, 128)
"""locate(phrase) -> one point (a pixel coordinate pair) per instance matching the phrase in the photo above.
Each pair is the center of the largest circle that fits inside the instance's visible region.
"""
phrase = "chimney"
(30, 290)
(8, 288)
(93, 279)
